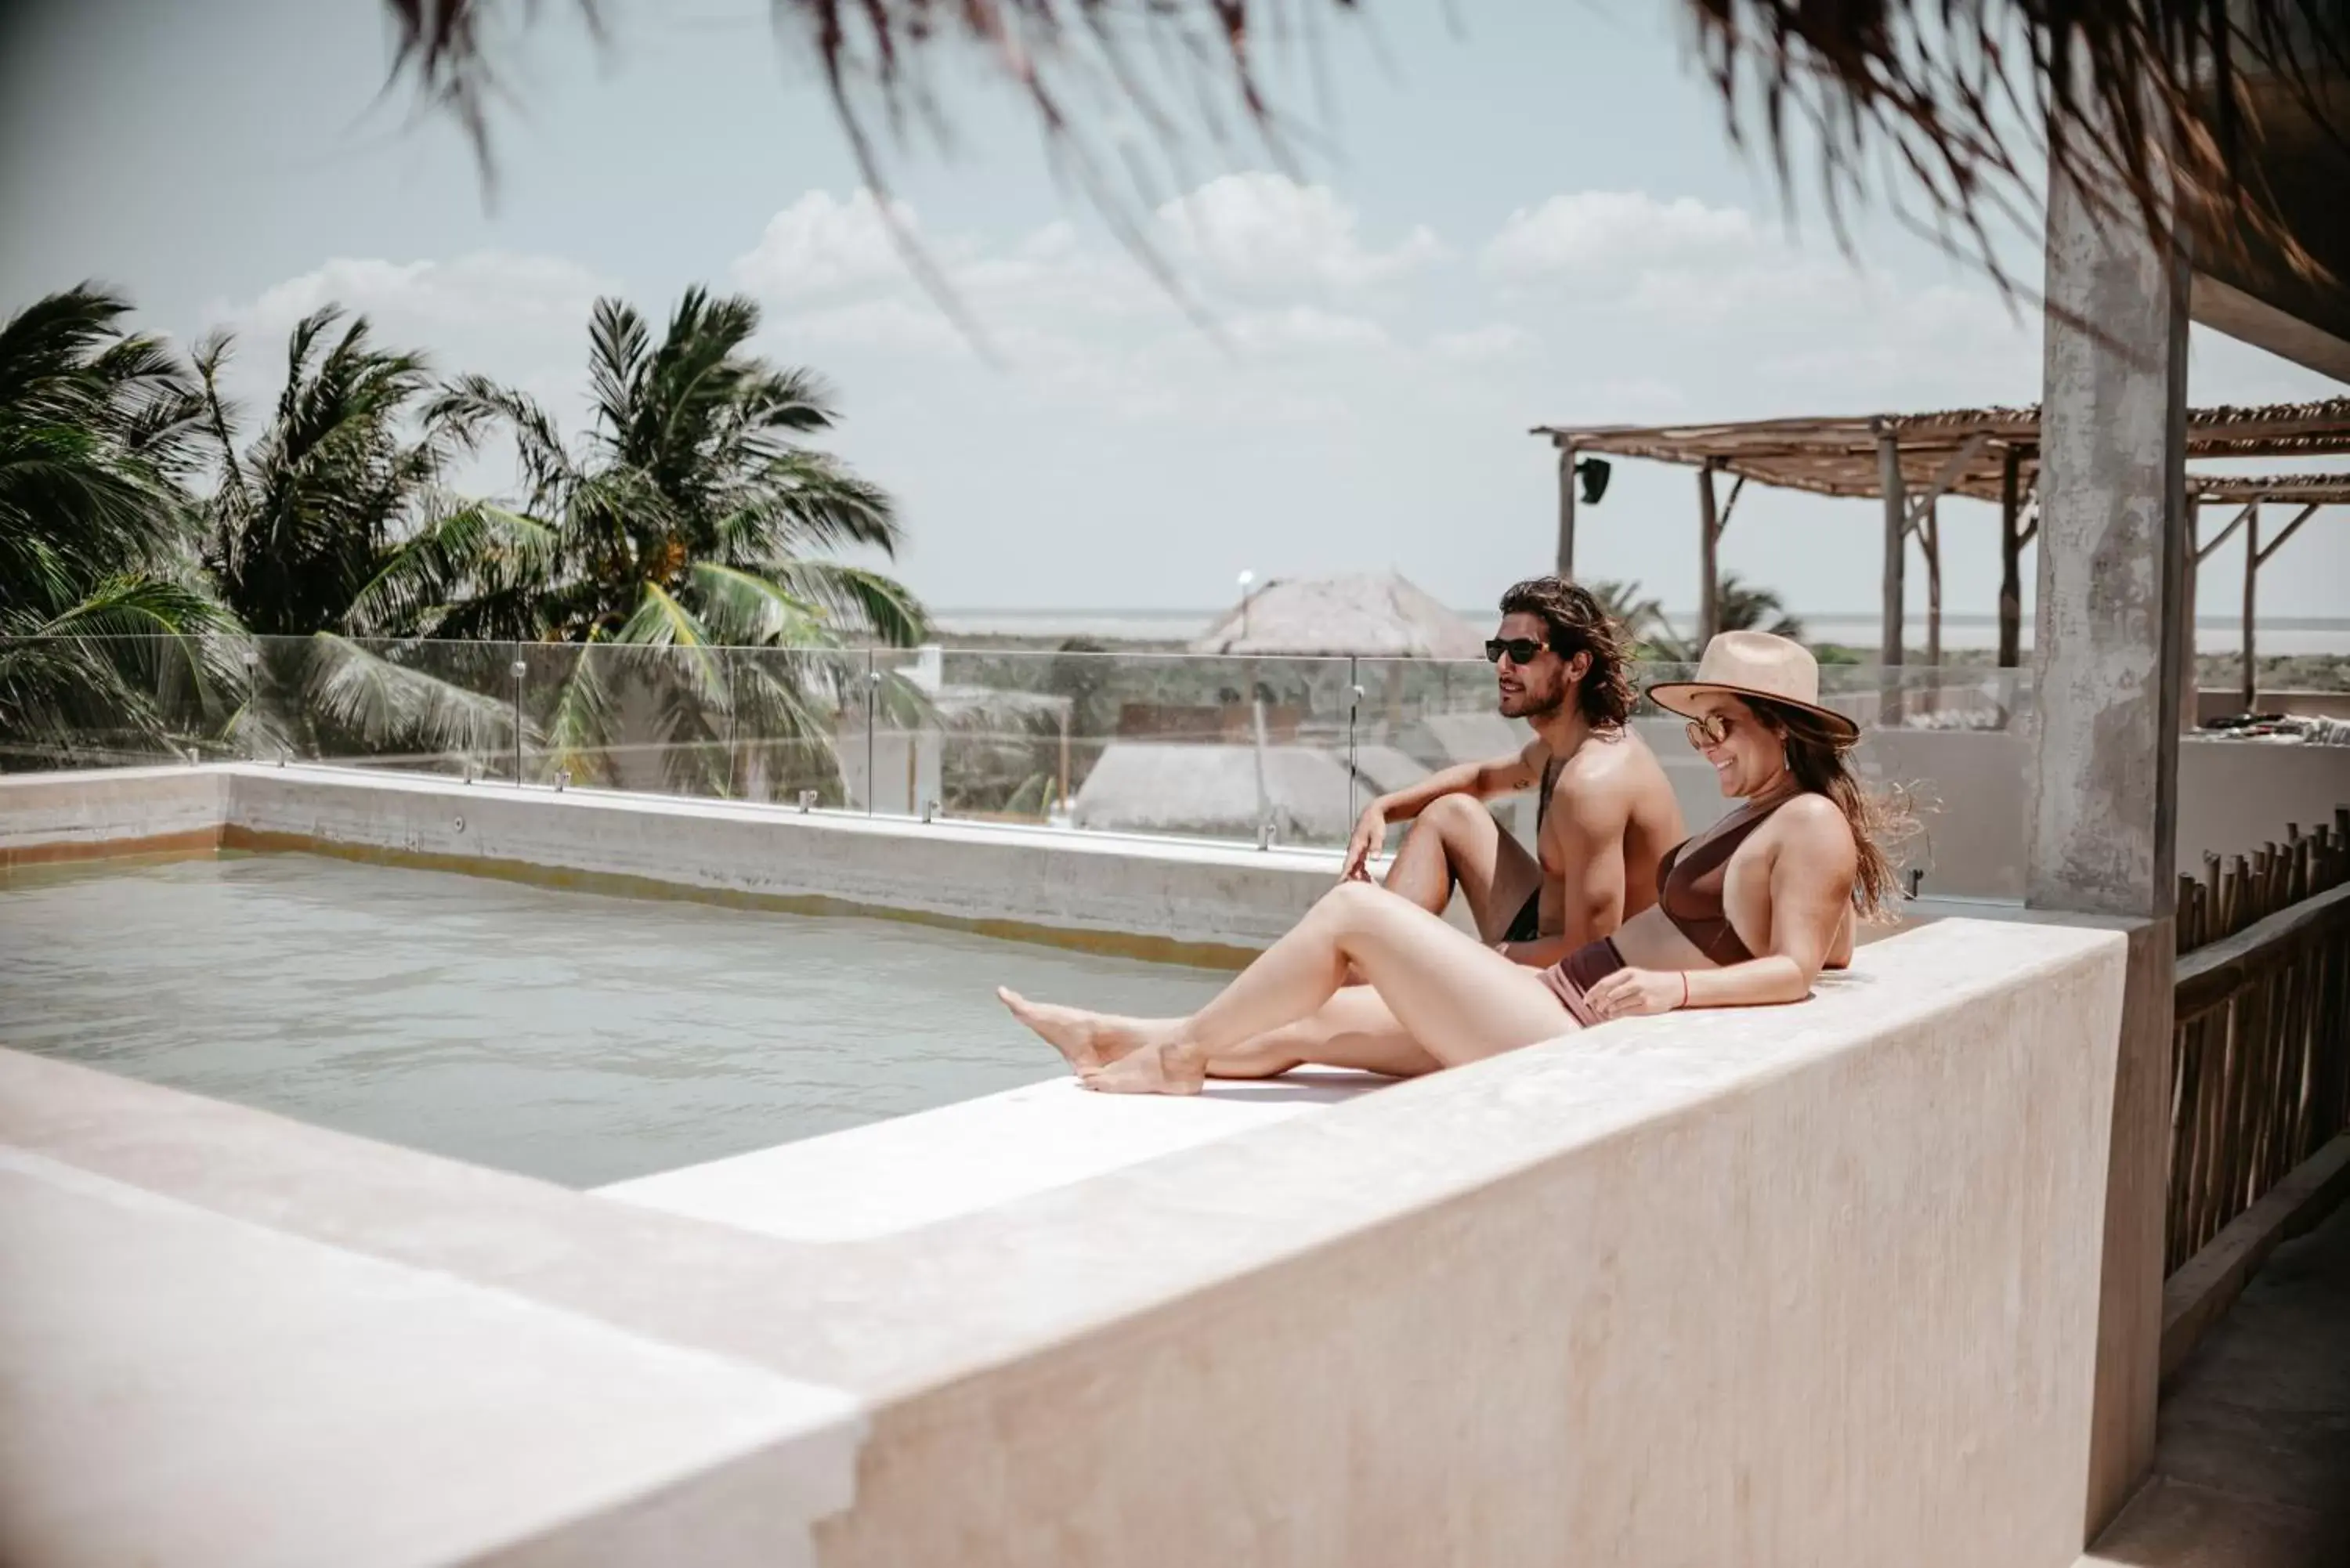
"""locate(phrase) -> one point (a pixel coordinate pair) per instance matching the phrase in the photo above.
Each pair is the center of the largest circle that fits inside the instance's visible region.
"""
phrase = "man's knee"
(1454, 818)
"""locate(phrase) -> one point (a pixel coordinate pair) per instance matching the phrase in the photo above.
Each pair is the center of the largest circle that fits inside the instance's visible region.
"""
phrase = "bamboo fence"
(2261, 1049)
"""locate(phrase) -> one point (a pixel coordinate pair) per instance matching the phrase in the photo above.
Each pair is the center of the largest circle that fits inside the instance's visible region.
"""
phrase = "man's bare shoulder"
(1611, 760)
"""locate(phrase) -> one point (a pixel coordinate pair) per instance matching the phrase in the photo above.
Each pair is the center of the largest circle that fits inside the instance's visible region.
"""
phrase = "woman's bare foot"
(1088, 1040)
(1152, 1070)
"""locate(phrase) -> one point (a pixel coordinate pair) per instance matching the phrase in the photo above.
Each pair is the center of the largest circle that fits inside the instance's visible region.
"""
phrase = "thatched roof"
(1987, 103)
(1838, 455)
(1173, 786)
(2323, 489)
(1378, 615)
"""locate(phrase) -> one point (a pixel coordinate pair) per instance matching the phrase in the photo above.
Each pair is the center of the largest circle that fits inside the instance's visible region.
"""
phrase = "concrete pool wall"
(1153, 897)
(1816, 1284)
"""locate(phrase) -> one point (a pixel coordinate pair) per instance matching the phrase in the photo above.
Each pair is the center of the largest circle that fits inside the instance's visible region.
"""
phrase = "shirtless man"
(1605, 812)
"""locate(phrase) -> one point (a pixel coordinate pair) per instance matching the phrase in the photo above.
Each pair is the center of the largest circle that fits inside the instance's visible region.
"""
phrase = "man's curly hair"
(1578, 623)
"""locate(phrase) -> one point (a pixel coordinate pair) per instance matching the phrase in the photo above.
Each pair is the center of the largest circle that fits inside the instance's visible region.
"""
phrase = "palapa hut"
(1281, 791)
(1371, 614)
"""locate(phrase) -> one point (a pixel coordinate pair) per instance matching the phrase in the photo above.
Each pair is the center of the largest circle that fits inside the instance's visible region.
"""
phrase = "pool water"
(575, 1036)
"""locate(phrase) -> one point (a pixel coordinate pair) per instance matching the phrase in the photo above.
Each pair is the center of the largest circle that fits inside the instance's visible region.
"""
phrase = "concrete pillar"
(2107, 671)
(1567, 511)
(2109, 644)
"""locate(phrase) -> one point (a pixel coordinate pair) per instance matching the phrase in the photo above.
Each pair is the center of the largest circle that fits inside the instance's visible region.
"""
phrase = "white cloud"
(820, 245)
(493, 290)
(1289, 284)
(1305, 327)
(1614, 237)
(1493, 342)
(1257, 235)
(893, 323)
(1676, 292)
(519, 319)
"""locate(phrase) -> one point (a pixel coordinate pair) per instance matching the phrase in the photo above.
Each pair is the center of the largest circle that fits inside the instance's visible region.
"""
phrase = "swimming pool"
(575, 1036)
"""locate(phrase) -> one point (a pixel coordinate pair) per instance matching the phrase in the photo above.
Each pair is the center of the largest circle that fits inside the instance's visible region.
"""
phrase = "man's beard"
(1539, 708)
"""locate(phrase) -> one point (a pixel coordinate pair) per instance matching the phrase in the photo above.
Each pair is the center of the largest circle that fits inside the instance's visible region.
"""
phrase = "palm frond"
(662, 623)
(473, 571)
(1967, 104)
(585, 719)
(469, 405)
(618, 345)
(853, 598)
(389, 706)
(46, 347)
(743, 609)
(782, 706)
(806, 500)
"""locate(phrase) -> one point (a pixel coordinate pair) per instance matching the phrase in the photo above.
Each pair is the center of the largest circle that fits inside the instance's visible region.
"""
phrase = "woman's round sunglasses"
(1710, 730)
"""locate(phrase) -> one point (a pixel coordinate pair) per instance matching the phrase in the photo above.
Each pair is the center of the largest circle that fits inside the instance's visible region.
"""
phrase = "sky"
(1506, 212)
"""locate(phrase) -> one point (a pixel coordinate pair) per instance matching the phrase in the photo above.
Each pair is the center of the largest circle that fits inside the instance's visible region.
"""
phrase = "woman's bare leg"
(1354, 1028)
(1458, 999)
(1088, 1040)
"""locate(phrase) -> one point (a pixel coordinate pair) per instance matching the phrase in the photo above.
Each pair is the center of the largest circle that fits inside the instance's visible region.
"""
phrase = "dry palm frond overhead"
(1967, 102)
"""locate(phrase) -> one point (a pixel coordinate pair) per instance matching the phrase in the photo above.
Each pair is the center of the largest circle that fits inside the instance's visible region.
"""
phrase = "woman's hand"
(1370, 832)
(1636, 992)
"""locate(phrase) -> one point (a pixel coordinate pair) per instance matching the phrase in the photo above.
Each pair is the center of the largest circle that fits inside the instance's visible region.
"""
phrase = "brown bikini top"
(1690, 892)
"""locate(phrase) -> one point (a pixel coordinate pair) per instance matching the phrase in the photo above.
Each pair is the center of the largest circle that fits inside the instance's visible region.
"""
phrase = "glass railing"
(1264, 750)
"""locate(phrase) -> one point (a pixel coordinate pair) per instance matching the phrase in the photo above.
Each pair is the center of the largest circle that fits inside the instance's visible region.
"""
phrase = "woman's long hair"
(1821, 759)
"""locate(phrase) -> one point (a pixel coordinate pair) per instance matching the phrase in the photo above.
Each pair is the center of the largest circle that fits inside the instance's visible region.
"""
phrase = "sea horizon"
(2285, 634)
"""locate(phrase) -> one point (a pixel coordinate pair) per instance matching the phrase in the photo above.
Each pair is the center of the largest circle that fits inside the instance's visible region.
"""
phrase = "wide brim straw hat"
(1755, 664)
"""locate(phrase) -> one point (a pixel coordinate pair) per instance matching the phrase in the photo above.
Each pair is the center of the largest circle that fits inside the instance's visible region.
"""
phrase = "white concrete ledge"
(909, 1171)
(1815, 1285)
(188, 1387)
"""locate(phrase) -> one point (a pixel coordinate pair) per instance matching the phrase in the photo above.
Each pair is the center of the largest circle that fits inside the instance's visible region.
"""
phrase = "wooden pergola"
(1910, 462)
(2305, 493)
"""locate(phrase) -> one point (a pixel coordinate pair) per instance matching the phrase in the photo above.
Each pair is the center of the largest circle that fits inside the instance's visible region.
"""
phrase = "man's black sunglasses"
(1522, 651)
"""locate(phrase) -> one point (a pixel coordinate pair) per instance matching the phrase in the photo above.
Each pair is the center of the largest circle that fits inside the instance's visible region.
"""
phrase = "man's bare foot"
(1152, 1070)
(1087, 1039)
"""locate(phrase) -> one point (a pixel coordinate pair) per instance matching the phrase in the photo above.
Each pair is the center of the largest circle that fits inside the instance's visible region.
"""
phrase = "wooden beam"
(1897, 546)
(2010, 560)
(2251, 585)
(1930, 539)
(1709, 578)
(1952, 466)
(2203, 552)
(2191, 692)
(1566, 510)
(2290, 529)
(1731, 505)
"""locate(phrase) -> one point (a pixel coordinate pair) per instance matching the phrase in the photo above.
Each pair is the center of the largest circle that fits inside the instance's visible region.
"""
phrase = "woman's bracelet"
(1684, 988)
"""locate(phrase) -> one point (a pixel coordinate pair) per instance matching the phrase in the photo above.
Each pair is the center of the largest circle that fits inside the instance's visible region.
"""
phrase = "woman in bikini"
(1748, 913)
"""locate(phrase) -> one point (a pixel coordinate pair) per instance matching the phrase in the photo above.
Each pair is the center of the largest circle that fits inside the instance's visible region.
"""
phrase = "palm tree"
(106, 634)
(690, 517)
(1638, 614)
(1741, 606)
(351, 466)
(313, 507)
